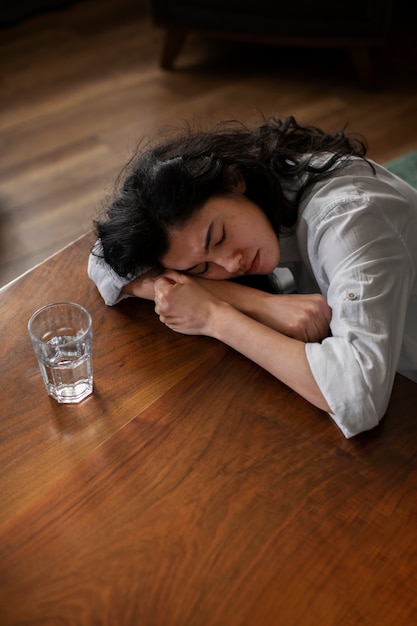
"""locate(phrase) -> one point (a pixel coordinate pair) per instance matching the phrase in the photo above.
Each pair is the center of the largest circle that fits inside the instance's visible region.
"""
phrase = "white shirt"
(355, 242)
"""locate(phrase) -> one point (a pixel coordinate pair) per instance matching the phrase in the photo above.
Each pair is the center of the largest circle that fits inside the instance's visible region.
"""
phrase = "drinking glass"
(62, 338)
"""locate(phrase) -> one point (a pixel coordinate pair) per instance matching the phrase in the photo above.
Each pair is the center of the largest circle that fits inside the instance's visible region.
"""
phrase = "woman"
(201, 208)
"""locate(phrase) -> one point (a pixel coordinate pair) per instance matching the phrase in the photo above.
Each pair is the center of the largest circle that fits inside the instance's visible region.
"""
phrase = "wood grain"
(80, 86)
(127, 341)
(192, 488)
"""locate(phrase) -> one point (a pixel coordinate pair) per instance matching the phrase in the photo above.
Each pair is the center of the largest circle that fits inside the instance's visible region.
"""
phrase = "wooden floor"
(80, 86)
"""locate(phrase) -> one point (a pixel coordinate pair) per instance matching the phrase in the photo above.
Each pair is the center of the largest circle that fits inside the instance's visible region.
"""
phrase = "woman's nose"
(232, 263)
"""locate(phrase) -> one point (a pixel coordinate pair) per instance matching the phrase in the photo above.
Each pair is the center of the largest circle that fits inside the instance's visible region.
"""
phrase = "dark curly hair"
(164, 184)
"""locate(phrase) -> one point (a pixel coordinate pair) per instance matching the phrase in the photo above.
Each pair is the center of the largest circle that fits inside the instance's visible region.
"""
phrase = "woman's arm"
(186, 307)
(141, 287)
(282, 356)
(303, 317)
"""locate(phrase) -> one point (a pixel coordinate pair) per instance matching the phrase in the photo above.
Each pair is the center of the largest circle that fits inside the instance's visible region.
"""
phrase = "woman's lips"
(254, 265)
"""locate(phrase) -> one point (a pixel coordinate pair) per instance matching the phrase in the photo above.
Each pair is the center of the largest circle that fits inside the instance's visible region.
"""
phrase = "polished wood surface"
(192, 488)
(80, 86)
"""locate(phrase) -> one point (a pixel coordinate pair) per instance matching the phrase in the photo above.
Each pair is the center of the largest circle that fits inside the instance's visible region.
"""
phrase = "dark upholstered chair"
(359, 25)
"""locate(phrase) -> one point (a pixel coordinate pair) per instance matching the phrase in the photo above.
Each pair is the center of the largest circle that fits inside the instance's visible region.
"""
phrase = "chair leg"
(174, 40)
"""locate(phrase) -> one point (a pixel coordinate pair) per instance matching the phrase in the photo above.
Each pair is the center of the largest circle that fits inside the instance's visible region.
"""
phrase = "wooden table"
(192, 488)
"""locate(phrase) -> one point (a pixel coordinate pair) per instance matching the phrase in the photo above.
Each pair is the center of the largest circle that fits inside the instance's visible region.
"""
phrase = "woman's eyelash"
(206, 265)
(223, 237)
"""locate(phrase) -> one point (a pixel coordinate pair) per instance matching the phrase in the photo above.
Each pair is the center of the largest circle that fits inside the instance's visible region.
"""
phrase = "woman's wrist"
(219, 320)
(245, 299)
(141, 287)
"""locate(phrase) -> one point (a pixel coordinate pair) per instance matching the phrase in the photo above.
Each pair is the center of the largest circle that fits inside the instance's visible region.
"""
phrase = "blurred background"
(81, 82)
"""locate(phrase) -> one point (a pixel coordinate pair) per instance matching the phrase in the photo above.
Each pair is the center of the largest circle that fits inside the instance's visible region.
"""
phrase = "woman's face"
(229, 236)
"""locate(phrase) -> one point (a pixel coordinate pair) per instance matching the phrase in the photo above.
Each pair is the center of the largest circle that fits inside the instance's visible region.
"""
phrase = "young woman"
(204, 207)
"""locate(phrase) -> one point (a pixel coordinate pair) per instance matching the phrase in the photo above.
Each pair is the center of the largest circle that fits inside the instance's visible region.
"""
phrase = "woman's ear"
(237, 182)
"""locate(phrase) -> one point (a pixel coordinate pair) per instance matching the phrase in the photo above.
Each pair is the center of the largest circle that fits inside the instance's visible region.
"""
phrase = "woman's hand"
(184, 305)
(301, 316)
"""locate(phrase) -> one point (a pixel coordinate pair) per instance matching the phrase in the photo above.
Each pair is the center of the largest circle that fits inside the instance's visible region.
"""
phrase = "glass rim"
(52, 305)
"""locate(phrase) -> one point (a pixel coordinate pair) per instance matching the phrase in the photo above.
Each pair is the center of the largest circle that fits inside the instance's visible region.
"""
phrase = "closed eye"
(223, 237)
(193, 271)
(206, 265)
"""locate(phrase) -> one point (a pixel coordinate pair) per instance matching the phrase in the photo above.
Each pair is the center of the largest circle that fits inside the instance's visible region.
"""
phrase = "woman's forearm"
(301, 316)
(186, 307)
(281, 356)
(246, 299)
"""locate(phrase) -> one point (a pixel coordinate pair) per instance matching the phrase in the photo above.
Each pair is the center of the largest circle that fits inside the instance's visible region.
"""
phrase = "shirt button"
(352, 295)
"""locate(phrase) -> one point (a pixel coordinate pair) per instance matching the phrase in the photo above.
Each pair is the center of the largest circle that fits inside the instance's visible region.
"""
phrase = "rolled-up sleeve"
(363, 265)
(108, 282)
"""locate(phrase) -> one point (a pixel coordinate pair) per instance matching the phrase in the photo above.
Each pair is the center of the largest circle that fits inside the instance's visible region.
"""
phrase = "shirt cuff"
(107, 281)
